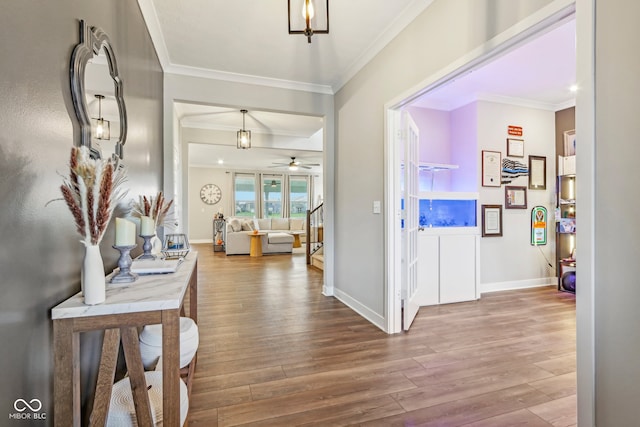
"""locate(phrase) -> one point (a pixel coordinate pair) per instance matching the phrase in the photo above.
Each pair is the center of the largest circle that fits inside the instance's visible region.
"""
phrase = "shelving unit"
(219, 231)
(566, 232)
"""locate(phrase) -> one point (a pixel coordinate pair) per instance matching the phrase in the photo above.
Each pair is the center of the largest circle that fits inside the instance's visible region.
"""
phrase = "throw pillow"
(297, 224)
(235, 224)
(247, 226)
(280, 223)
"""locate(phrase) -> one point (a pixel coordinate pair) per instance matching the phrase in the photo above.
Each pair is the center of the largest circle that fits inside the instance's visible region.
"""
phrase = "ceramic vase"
(93, 280)
(156, 245)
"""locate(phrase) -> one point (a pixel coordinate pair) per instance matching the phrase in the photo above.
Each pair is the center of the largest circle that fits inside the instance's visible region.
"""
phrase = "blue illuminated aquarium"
(436, 213)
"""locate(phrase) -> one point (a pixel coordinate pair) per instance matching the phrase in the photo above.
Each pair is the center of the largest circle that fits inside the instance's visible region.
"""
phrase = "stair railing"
(315, 230)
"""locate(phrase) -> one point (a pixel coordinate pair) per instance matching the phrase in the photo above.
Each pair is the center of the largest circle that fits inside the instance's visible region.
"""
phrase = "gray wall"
(616, 268)
(446, 31)
(40, 253)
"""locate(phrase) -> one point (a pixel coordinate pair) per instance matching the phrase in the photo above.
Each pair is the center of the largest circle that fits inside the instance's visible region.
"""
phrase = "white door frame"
(542, 21)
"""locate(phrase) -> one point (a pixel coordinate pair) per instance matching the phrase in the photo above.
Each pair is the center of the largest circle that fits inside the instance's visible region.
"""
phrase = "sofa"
(278, 237)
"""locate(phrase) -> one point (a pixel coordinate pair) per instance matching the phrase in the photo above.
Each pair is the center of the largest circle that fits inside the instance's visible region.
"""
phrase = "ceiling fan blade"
(304, 166)
(280, 164)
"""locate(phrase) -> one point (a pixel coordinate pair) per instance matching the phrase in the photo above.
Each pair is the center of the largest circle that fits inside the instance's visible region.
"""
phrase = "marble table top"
(148, 293)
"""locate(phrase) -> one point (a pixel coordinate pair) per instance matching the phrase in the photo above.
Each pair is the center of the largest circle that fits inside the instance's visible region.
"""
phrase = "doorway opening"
(426, 96)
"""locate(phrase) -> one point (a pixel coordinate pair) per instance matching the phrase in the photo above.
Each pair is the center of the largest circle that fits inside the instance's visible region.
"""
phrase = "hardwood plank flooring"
(275, 352)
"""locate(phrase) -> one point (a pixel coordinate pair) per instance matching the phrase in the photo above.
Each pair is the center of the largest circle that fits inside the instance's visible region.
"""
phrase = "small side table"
(255, 249)
(296, 237)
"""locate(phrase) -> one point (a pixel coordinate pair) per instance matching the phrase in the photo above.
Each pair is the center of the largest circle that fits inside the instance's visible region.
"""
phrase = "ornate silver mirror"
(96, 90)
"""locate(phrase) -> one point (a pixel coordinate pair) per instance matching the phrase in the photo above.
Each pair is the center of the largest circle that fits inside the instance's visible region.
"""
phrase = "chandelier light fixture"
(308, 17)
(101, 126)
(244, 136)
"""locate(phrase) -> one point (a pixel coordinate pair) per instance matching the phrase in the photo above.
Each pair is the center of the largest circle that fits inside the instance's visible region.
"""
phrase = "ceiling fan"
(294, 164)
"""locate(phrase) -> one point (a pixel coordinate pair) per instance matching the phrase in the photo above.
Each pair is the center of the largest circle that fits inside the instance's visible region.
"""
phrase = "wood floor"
(275, 352)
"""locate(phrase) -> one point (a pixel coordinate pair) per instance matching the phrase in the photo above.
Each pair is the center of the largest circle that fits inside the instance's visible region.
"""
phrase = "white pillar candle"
(147, 226)
(125, 232)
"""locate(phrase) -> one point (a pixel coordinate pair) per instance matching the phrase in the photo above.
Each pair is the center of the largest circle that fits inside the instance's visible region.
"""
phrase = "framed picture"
(515, 197)
(491, 168)
(515, 147)
(537, 173)
(570, 142)
(491, 220)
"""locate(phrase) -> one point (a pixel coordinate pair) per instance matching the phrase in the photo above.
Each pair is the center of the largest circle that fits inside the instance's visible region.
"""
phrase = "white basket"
(122, 410)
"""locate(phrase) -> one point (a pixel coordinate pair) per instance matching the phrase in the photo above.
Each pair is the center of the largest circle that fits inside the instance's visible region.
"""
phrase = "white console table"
(152, 299)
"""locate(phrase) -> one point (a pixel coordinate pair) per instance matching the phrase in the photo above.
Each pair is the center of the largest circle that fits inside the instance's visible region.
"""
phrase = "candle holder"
(147, 247)
(124, 274)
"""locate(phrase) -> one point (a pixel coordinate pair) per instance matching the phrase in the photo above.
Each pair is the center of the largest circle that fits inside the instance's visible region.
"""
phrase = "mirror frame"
(92, 40)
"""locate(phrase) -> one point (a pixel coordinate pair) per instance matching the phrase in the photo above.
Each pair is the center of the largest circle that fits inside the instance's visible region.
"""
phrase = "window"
(272, 196)
(298, 196)
(245, 195)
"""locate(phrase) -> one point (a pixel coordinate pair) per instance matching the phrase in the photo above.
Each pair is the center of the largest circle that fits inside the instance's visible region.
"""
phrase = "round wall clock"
(210, 194)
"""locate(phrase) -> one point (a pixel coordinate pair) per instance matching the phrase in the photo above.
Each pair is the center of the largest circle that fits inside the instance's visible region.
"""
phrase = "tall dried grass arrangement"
(92, 190)
(157, 208)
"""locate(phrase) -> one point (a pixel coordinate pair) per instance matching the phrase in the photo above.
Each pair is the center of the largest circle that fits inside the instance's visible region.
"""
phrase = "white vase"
(93, 280)
(156, 245)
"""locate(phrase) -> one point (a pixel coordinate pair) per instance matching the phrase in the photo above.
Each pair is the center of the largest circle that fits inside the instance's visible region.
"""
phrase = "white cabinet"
(448, 268)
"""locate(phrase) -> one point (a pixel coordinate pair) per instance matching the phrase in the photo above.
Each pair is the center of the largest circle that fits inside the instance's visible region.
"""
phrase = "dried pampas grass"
(156, 208)
(92, 190)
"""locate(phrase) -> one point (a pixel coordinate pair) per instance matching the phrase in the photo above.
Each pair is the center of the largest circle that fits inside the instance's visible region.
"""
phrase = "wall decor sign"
(515, 147)
(512, 169)
(491, 220)
(491, 168)
(515, 197)
(537, 173)
(539, 226)
(514, 130)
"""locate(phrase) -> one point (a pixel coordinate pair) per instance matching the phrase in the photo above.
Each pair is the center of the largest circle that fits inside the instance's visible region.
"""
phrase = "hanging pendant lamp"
(101, 127)
(244, 136)
(308, 17)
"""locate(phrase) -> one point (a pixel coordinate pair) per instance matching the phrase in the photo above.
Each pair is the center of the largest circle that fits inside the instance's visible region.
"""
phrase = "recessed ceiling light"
(573, 88)
(220, 161)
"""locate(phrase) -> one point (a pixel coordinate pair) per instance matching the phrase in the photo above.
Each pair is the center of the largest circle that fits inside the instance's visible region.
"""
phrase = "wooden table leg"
(66, 383)
(296, 241)
(106, 373)
(171, 367)
(131, 347)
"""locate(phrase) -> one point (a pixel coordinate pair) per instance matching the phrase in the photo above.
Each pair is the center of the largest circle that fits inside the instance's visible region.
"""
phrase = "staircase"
(317, 259)
(315, 237)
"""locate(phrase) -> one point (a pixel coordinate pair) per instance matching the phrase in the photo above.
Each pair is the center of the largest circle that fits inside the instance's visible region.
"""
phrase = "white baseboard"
(201, 241)
(327, 291)
(517, 284)
(362, 310)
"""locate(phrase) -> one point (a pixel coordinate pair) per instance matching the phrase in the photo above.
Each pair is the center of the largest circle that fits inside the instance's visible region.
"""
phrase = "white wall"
(444, 33)
(464, 148)
(610, 167)
(435, 145)
(200, 213)
(510, 261)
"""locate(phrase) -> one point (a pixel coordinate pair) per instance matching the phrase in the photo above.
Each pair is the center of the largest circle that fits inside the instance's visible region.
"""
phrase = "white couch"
(278, 238)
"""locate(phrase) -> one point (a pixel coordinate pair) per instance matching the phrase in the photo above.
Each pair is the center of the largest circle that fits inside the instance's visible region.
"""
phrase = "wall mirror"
(96, 90)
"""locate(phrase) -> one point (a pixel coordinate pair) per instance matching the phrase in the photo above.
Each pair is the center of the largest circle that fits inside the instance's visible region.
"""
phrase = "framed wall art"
(491, 220)
(491, 168)
(537, 173)
(515, 147)
(515, 197)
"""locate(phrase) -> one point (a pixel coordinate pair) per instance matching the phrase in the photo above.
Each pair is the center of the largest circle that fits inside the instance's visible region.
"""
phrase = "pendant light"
(308, 17)
(101, 126)
(244, 136)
